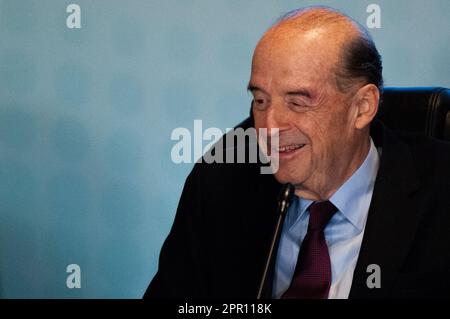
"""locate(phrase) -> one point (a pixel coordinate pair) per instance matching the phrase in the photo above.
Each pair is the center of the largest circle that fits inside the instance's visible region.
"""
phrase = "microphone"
(284, 201)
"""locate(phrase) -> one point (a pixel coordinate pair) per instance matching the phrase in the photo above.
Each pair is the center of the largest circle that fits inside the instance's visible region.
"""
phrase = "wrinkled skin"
(293, 83)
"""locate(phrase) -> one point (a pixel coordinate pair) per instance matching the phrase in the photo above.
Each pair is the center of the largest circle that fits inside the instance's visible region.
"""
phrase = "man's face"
(294, 89)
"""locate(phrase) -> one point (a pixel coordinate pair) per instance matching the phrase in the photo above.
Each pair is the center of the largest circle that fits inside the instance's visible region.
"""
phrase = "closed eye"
(298, 106)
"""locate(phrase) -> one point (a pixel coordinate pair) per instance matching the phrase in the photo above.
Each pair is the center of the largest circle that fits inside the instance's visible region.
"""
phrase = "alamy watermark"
(73, 280)
(73, 20)
(234, 145)
(373, 21)
(374, 279)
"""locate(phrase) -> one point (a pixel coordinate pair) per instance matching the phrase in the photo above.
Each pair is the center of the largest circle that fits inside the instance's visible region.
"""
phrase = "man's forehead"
(284, 75)
(270, 83)
(298, 58)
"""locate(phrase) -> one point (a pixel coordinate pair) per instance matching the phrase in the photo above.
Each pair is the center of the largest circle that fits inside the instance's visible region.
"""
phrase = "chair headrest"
(418, 109)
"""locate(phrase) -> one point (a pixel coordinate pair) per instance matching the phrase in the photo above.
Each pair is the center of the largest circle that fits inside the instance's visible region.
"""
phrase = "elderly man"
(371, 215)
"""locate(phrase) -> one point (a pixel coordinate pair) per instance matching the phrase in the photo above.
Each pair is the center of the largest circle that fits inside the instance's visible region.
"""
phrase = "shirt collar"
(297, 209)
(353, 198)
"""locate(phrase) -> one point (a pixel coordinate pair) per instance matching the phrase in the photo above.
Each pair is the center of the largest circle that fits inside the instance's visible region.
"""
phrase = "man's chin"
(284, 178)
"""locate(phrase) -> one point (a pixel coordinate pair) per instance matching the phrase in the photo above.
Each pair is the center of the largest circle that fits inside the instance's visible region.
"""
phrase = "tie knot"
(320, 214)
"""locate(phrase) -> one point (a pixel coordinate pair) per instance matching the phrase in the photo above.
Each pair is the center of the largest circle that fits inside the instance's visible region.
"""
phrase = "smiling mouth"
(290, 148)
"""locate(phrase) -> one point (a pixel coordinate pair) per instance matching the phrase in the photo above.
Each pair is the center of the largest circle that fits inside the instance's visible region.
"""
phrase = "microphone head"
(287, 193)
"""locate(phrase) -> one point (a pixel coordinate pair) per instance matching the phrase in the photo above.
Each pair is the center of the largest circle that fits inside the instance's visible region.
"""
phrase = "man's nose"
(276, 118)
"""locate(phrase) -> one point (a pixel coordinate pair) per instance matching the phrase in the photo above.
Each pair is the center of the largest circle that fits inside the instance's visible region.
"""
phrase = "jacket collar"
(393, 215)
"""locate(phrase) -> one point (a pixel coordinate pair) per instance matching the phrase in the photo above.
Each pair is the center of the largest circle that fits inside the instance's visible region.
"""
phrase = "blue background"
(86, 115)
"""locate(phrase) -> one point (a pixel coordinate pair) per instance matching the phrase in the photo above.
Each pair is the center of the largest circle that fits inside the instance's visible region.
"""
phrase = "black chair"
(418, 109)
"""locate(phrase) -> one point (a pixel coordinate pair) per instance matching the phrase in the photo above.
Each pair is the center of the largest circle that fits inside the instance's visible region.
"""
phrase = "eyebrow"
(251, 88)
(297, 92)
(300, 92)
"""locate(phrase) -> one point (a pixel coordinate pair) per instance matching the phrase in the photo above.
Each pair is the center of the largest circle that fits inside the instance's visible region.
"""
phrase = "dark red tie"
(312, 275)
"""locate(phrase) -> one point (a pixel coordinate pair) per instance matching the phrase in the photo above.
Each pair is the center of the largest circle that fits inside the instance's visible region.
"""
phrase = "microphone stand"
(284, 201)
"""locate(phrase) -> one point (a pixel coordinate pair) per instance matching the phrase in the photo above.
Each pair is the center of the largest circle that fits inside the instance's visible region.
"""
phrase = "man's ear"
(366, 101)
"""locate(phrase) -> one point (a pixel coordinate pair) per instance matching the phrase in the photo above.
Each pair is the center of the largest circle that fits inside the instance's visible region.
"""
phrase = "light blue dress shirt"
(343, 234)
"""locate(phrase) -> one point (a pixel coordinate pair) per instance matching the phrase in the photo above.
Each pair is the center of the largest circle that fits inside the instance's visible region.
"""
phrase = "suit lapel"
(393, 216)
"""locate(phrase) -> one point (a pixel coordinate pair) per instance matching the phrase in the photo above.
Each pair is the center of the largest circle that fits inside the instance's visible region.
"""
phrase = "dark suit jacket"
(227, 212)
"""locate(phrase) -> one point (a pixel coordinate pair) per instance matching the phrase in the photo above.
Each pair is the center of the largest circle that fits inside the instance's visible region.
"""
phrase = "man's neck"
(331, 187)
